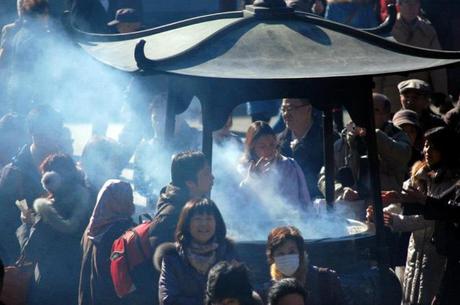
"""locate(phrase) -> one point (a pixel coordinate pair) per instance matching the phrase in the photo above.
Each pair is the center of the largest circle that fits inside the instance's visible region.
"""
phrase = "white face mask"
(287, 264)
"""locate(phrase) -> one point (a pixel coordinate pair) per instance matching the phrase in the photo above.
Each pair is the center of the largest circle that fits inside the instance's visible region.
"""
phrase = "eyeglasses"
(291, 108)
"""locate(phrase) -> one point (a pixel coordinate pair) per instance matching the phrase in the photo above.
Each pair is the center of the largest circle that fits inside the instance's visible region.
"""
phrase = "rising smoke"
(83, 89)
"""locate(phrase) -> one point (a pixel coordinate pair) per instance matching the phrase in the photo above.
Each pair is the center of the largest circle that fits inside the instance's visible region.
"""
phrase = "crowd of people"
(65, 213)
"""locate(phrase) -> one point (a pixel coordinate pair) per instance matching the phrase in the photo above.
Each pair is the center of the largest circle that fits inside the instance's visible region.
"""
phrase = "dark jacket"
(96, 287)
(19, 180)
(308, 153)
(172, 200)
(323, 287)
(53, 242)
(429, 119)
(446, 211)
(180, 283)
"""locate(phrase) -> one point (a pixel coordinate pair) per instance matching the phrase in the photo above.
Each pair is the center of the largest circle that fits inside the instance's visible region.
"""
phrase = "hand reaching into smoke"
(387, 216)
(349, 194)
(389, 197)
(407, 195)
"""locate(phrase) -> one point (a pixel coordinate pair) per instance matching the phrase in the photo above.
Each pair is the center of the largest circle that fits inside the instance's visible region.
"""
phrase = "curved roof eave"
(241, 46)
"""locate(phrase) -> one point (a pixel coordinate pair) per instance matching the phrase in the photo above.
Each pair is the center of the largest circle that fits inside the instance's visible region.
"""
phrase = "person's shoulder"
(285, 135)
(165, 251)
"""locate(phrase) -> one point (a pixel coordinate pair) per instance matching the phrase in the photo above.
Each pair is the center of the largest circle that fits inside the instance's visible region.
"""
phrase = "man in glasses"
(303, 139)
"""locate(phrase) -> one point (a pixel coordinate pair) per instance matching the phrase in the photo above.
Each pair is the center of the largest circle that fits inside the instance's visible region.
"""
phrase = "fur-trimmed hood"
(78, 199)
(161, 251)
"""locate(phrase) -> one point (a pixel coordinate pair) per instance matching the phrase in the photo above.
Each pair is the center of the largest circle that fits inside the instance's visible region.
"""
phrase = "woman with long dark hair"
(201, 243)
(436, 173)
(269, 170)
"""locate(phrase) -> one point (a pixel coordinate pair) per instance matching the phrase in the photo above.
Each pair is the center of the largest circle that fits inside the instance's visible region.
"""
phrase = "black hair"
(285, 287)
(446, 141)
(255, 131)
(185, 167)
(197, 207)
(229, 280)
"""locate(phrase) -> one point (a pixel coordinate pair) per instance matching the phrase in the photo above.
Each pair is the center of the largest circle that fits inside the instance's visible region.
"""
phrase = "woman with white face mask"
(287, 258)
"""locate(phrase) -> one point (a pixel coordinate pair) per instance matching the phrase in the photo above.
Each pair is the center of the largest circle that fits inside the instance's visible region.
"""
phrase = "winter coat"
(308, 153)
(19, 180)
(424, 266)
(446, 212)
(53, 243)
(422, 34)
(96, 287)
(394, 149)
(169, 206)
(180, 283)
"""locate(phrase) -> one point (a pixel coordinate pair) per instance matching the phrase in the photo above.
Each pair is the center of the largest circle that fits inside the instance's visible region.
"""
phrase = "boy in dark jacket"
(191, 178)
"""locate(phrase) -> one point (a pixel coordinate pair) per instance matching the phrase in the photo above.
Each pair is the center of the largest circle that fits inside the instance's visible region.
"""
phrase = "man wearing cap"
(126, 20)
(411, 29)
(415, 95)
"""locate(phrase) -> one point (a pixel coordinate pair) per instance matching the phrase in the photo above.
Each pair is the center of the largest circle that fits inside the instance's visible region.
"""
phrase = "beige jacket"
(424, 266)
(422, 34)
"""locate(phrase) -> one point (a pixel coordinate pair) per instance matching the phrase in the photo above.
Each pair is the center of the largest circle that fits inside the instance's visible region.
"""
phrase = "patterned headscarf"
(114, 203)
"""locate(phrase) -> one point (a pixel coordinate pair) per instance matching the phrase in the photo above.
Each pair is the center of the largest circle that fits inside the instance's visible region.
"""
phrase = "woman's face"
(265, 147)
(286, 248)
(202, 228)
(431, 154)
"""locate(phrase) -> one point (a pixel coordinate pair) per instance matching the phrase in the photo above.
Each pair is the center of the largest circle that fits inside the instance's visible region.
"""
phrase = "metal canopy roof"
(260, 44)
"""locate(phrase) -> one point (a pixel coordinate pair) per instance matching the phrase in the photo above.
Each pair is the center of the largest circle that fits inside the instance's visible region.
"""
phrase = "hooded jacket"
(169, 206)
